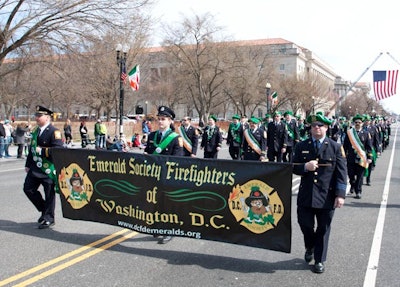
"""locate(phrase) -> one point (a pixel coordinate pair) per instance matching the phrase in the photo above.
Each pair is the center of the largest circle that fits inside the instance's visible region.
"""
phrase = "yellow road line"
(63, 257)
(75, 260)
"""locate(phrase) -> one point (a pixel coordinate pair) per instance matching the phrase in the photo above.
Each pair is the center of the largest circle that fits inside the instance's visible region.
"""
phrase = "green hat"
(268, 116)
(254, 120)
(318, 118)
(236, 117)
(213, 117)
(367, 117)
(277, 113)
(358, 117)
(288, 113)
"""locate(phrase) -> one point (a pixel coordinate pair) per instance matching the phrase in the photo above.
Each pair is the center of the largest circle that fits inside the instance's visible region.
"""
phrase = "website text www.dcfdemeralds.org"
(171, 232)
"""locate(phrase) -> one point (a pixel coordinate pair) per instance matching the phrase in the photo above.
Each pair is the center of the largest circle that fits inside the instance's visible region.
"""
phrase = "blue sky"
(347, 35)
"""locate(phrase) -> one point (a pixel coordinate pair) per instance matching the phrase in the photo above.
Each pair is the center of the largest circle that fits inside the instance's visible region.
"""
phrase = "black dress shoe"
(319, 267)
(45, 224)
(358, 196)
(308, 256)
(41, 219)
(352, 190)
(165, 240)
(369, 184)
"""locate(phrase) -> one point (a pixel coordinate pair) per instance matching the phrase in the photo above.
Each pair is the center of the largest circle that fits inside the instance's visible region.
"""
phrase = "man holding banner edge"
(321, 163)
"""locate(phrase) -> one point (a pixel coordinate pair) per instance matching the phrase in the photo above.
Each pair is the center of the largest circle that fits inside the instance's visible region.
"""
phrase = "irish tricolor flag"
(134, 78)
(274, 98)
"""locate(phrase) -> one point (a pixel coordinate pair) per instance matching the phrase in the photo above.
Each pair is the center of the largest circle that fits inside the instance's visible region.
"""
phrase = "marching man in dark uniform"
(164, 141)
(40, 168)
(235, 137)
(277, 137)
(190, 137)
(376, 144)
(212, 139)
(293, 135)
(358, 148)
(254, 141)
(321, 163)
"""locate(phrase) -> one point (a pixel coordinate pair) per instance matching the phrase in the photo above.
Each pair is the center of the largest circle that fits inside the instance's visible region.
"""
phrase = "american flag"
(385, 84)
(123, 74)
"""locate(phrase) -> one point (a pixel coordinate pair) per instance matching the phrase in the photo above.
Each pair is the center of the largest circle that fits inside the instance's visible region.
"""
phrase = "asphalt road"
(363, 247)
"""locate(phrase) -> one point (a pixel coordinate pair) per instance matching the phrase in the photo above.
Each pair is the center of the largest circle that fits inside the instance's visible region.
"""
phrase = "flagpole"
(354, 83)
(390, 55)
(121, 61)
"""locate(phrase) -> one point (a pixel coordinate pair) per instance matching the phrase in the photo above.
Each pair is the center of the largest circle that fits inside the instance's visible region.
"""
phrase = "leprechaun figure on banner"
(40, 168)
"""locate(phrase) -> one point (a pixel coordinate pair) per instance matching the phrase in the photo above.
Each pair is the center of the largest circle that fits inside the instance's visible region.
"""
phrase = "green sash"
(290, 131)
(164, 142)
(187, 143)
(43, 163)
(252, 142)
(234, 129)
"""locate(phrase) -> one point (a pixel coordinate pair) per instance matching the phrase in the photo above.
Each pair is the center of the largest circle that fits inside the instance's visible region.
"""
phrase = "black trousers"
(213, 154)
(287, 156)
(274, 156)
(356, 174)
(234, 152)
(316, 238)
(44, 205)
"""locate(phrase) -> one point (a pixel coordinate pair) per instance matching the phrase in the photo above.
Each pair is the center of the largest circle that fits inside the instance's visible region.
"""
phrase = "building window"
(282, 67)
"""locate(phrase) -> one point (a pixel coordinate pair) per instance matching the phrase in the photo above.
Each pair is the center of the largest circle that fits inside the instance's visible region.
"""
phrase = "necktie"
(317, 145)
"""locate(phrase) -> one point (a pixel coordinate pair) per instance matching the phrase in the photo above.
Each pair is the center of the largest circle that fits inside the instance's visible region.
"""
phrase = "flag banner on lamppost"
(274, 98)
(240, 202)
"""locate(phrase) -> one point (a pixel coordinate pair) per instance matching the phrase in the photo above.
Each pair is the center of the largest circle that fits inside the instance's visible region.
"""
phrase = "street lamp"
(146, 102)
(121, 61)
(268, 91)
(237, 107)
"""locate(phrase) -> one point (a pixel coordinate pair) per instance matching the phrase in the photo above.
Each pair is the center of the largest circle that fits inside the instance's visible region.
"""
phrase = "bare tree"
(48, 32)
(247, 70)
(198, 62)
(30, 24)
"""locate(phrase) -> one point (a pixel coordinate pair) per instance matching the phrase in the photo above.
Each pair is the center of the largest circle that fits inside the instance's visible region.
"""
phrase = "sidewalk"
(12, 150)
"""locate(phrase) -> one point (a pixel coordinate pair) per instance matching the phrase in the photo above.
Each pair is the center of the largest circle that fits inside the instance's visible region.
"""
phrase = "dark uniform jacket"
(277, 136)
(375, 141)
(50, 137)
(175, 147)
(210, 144)
(318, 189)
(249, 153)
(234, 137)
(365, 139)
(293, 132)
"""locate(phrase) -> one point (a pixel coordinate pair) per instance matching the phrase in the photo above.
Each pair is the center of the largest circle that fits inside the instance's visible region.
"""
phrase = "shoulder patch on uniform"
(180, 141)
(57, 135)
(305, 151)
